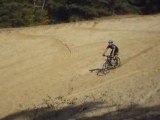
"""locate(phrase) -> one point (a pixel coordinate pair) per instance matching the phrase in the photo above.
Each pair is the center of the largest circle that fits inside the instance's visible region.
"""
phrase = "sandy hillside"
(56, 60)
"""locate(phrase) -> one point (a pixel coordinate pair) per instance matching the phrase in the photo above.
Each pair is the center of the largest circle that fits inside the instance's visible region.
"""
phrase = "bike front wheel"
(105, 69)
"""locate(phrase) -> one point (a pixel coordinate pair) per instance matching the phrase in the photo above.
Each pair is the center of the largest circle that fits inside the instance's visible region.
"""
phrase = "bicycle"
(110, 63)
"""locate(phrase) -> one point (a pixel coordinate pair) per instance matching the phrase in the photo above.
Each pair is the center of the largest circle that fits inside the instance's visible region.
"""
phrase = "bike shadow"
(98, 71)
(95, 70)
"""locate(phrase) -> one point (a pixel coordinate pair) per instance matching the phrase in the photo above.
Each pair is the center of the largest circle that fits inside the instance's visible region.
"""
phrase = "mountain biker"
(115, 49)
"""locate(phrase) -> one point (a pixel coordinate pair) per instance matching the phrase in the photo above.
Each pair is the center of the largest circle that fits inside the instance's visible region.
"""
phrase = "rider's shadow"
(97, 71)
(100, 71)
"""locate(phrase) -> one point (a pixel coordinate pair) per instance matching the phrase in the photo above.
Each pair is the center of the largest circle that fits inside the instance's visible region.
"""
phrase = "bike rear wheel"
(115, 63)
(118, 62)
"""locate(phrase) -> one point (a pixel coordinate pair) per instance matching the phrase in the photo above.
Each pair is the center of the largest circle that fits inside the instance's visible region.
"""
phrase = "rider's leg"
(111, 53)
(116, 54)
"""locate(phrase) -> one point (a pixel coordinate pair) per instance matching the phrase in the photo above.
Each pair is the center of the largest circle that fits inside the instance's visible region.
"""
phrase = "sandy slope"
(55, 61)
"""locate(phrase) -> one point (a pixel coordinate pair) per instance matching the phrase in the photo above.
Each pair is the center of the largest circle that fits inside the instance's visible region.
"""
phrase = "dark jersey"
(113, 47)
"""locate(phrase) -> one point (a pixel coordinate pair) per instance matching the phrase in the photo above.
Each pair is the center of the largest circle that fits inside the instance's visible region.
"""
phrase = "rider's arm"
(105, 51)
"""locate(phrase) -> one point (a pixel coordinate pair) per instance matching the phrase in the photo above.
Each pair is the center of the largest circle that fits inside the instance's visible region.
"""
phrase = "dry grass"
(55, 61)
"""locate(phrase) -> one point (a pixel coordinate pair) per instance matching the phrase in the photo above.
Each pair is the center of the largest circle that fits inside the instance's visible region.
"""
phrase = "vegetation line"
(17, 13)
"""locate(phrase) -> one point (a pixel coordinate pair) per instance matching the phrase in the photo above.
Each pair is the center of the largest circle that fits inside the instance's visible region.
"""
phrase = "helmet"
(110, 41)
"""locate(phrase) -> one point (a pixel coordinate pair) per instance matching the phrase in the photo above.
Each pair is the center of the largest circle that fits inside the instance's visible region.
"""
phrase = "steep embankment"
(55, 61)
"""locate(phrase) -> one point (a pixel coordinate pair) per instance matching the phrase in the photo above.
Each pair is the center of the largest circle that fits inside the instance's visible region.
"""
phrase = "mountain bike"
(110, 63)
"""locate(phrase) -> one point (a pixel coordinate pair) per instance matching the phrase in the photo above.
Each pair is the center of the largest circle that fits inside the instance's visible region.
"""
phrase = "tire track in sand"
(102, 84)
(139, 54)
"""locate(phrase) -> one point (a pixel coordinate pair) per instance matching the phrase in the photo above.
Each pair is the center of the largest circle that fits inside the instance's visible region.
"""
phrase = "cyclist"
(115, 49)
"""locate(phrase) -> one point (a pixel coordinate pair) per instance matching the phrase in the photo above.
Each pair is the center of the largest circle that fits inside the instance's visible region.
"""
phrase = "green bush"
(40, 17)
(17, 13)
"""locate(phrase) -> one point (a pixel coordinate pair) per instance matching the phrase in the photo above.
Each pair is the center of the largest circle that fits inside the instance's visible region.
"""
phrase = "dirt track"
(55, 61)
